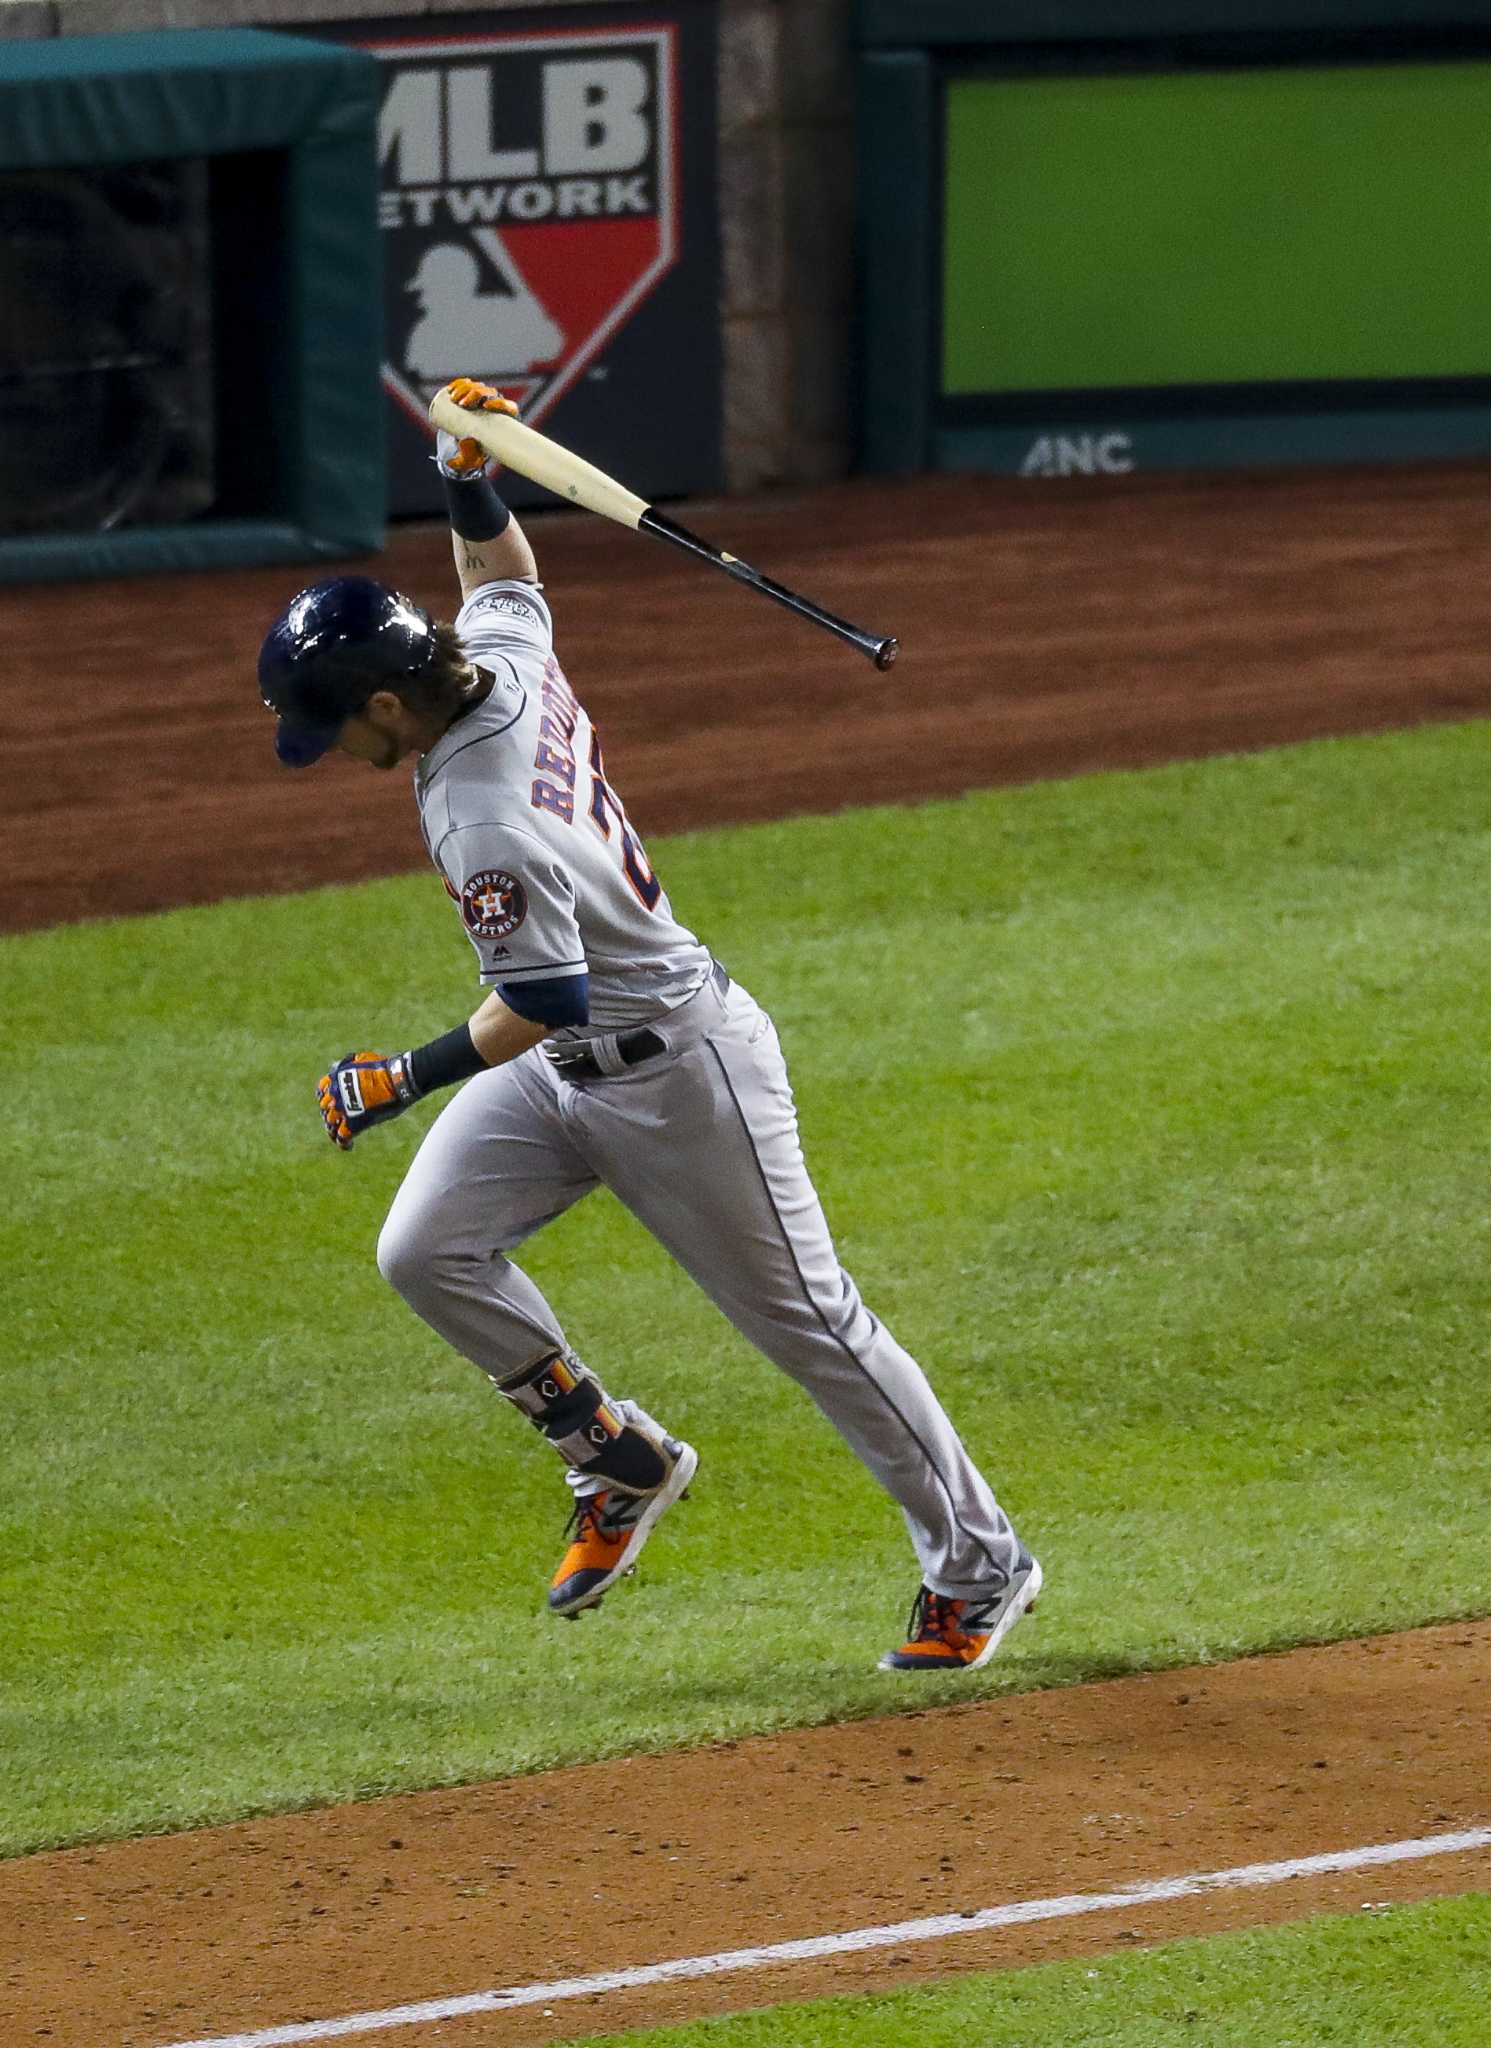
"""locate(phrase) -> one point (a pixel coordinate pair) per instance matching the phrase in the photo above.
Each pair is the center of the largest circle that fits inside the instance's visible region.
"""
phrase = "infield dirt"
(1048, 630)
(607, 1866)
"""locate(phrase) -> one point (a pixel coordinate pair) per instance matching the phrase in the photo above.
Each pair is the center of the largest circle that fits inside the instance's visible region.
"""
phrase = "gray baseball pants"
(701, 1144)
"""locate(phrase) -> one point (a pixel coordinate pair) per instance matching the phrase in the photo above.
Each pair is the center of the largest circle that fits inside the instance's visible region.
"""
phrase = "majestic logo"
(1079, 455)
(528, 204)
(493, 904)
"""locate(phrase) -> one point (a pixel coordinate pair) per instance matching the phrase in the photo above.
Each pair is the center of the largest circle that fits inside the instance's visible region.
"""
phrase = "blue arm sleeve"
(564, 1000)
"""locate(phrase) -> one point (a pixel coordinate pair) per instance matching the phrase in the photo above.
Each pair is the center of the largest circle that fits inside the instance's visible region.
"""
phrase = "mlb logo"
(529, 204)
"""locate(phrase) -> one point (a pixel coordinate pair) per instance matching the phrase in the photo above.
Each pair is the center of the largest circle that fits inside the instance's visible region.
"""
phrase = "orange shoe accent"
(959, 1635)
(940, 1640)
(610, 1529)
(597, 1545)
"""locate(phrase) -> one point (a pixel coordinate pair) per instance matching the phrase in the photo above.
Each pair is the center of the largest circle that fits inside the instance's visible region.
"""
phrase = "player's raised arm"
(489, 544)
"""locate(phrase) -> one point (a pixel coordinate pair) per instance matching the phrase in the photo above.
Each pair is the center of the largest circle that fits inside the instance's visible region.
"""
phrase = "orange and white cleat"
(609, 1530)
(959, 1635)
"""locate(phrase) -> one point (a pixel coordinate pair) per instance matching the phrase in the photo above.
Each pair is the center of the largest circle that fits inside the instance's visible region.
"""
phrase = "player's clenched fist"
(474, 397)
(363, 1089)
(467, 458)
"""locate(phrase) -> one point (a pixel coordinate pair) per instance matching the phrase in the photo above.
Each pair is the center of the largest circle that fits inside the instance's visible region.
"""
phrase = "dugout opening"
(190, 330)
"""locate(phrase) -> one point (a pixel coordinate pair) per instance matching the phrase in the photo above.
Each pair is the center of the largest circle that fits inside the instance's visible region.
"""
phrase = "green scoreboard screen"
(1217, 227)
(1217, 235)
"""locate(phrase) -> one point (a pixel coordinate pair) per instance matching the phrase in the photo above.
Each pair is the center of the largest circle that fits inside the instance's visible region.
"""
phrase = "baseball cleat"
(959, 1635)
(610, 1529)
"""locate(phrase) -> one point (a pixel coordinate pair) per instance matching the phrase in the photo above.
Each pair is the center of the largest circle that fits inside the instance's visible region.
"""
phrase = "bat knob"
(886, 652)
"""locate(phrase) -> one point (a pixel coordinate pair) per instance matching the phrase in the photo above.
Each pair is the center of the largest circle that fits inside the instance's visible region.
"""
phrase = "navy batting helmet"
(329, 650)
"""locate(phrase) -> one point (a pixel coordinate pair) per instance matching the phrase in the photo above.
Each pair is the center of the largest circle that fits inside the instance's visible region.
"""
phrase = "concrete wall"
(786, 171)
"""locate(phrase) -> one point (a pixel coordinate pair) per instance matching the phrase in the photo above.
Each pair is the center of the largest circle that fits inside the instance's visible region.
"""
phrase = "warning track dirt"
(1046, 629)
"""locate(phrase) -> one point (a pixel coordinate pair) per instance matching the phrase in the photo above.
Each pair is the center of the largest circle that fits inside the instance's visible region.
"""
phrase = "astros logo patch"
(493, 904)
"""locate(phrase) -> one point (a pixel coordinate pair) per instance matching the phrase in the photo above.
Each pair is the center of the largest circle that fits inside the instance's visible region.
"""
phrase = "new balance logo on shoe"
(960, 1635)
(609, 1530)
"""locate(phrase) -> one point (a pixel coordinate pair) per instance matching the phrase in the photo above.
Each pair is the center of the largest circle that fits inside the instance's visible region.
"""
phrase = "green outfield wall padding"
(177, 92)
(896, 241)
(1112, 444)
(913, 24)
(288, 126)
(146, 550)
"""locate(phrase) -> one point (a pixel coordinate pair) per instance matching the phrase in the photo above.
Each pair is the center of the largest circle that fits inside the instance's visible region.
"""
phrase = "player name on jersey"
(554, 756)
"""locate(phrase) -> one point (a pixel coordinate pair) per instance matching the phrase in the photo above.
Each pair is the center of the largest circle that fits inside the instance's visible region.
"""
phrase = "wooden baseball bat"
(570, 477)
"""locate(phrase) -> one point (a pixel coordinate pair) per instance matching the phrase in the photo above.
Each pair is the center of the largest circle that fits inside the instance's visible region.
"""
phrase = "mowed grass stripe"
(1145, 1108)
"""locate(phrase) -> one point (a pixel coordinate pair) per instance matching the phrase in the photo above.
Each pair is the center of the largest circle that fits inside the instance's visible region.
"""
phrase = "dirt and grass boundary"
(1047, 632)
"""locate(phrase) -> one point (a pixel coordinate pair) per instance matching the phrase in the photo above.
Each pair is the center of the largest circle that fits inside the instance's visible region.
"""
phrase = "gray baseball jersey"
(533, 843)
(699, 1141)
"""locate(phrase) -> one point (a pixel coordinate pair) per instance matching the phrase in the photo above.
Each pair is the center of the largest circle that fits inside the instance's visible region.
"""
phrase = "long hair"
(442, 689)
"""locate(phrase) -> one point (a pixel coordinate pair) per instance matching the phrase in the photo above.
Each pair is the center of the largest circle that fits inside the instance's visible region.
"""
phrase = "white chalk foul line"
(901, 1932)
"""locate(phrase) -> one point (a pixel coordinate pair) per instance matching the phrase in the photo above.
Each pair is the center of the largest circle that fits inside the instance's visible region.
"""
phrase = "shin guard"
(567, 1403)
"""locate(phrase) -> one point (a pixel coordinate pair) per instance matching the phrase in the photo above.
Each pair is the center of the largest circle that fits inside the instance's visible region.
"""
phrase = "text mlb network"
(580, 144)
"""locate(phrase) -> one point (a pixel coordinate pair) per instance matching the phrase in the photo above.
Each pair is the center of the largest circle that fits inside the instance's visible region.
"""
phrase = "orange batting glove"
(362, 1089)
(474, 397)
(466, 458)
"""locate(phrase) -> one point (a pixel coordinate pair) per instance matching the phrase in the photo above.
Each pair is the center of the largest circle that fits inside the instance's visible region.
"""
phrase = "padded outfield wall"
(277, 262)
(765, 88)
(1136, 237)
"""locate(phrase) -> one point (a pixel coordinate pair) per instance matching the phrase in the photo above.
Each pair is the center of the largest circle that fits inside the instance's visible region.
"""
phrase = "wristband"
(444, 1061)
(476, 512)
(401, 1080)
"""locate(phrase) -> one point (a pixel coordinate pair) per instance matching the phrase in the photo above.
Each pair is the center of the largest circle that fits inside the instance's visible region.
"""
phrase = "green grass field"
(1413, 1977)
(1149, 1111)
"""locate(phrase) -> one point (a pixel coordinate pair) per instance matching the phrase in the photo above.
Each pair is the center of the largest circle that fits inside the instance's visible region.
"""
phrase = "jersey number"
(605, 805)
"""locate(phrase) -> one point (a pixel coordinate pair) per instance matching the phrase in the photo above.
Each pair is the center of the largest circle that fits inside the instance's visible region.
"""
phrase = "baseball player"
(610, 1049)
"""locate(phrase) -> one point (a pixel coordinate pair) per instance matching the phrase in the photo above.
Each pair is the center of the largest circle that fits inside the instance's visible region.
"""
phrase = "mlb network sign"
(531, 207)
